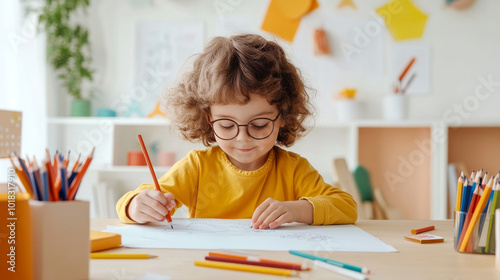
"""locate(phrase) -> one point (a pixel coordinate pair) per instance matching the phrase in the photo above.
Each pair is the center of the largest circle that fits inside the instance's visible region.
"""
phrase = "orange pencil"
(66, 159)
(257, 259)
(420, 230)
(257, 263)
(57, 181)
(475, 198)
(50, 175)
(77, 163)
(148, 161)
(403, 74)
(76, 182)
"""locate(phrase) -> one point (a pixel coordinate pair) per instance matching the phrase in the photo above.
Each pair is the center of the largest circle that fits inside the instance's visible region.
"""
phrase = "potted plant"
(68, 48)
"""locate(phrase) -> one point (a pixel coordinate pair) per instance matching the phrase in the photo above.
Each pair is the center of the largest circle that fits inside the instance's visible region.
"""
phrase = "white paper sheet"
(238, 235)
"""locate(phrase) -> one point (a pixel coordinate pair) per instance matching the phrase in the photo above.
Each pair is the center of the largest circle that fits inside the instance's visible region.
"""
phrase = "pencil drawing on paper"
(236, 234)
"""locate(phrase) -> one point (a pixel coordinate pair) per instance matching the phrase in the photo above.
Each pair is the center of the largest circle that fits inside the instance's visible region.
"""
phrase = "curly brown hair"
(228, 71)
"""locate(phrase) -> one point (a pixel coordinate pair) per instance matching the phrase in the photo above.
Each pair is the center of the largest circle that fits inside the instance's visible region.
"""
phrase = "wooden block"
(100, 240)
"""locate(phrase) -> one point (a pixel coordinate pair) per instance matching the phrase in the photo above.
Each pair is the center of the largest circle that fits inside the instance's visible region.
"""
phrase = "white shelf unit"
(113, 137)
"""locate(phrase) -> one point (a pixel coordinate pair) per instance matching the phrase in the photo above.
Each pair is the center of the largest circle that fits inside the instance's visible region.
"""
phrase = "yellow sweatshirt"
(212, 187)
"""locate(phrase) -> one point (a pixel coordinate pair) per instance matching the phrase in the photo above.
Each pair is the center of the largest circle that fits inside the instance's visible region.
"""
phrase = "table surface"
(412, 261)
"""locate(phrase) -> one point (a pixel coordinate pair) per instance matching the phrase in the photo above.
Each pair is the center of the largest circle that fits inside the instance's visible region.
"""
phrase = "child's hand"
(150, 206)
(273, 213)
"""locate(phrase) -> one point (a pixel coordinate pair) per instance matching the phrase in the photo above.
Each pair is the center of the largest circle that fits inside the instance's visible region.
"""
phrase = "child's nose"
(243, 135)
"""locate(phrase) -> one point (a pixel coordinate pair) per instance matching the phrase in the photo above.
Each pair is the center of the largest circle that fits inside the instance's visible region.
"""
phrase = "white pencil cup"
(61, 239)
(395, 107)
(349, 110)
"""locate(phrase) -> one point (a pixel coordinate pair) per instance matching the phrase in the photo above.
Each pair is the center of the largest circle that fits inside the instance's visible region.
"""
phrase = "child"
(243, 94)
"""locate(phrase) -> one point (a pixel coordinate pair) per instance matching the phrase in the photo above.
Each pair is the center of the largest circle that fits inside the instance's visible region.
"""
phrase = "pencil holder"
(473, 235)
(395, 107)
(61, 242)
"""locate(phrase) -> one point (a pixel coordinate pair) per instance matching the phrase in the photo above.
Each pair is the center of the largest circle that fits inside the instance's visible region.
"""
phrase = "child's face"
(243, 151)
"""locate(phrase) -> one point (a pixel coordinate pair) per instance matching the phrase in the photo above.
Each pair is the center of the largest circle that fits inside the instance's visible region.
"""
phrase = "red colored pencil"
(148, 161)
(257, 259)
(420, 230)
(257, 263)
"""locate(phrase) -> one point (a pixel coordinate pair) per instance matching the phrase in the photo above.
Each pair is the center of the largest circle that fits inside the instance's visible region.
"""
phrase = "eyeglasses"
(260, 128)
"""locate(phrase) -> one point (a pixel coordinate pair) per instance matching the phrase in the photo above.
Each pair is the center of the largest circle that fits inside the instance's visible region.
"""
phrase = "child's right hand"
(150, 206)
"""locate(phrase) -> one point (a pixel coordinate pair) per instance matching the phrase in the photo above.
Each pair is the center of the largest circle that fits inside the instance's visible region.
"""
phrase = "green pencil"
(490, 238)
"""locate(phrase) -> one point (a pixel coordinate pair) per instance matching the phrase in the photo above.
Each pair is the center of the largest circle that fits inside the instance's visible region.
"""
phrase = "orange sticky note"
(295, 9)
(277, 22)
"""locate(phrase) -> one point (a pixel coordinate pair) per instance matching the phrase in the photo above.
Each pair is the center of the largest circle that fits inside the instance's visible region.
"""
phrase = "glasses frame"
(238, 127)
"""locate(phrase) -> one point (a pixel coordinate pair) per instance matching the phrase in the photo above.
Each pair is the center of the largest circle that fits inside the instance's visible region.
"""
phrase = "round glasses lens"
(225, 129)
(260, 128)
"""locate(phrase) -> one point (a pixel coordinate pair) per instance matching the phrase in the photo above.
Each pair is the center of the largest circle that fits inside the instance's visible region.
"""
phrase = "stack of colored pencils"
(251, 264)
(51, 180)
(477, 198)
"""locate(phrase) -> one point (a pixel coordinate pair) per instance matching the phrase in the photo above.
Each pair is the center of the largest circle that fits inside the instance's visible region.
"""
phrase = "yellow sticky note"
(294, 9)
(278, 23)
(403, 19)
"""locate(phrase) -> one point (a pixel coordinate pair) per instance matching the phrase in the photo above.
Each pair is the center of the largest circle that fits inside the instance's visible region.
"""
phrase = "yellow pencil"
(120, 256)
(248, 268)
(459, 191)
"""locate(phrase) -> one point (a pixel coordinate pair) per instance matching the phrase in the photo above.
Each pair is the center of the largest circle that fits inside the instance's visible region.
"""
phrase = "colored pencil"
(77, 163)
(45, 182)
(63, 192)
(257, 263)
(468, 217)
(35, 188)
(490, 237)
(403, 74)
(257, 259)
(56, 188)
(50, 175)
(478, 210)
(340, 270)
(412, 77)
(38, 178)
(23, 167)
(460, 185)
(75, 184)
(248, 268)
(330, 261)
(420, 230)
(120, 256)
(22, 177)
(151, 170)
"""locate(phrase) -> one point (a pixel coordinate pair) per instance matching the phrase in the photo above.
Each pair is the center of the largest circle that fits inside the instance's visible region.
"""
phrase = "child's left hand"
(273, 213)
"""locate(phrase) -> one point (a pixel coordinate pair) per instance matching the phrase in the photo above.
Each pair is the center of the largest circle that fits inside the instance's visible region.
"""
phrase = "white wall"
(465, 45)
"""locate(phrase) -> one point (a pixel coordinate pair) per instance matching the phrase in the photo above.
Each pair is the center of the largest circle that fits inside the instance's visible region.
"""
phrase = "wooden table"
(413, 261)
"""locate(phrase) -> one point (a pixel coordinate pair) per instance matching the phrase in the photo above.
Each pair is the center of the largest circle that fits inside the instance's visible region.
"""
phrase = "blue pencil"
(36, 194)
(330, 261)
(463, 209)
(72, 177)
(45, 180)
(63, 192)
(23, 166)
